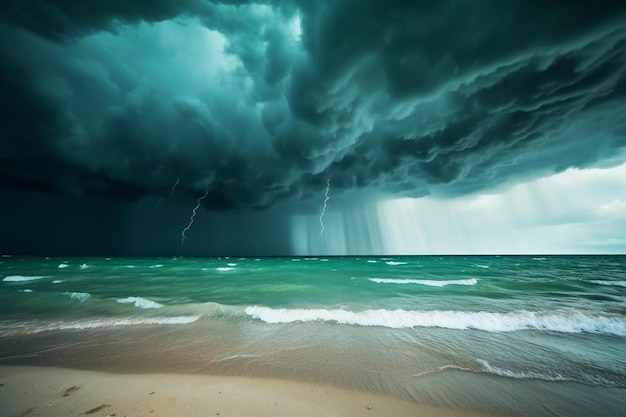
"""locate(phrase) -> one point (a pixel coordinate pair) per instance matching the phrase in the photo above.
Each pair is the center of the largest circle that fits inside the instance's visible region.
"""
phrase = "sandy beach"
(59, 392)
(124, 337)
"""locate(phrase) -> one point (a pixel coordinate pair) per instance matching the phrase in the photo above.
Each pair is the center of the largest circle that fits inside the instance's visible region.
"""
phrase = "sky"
(301, 127)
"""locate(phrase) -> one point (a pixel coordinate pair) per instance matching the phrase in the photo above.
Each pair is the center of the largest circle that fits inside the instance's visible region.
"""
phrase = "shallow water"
(525, 335)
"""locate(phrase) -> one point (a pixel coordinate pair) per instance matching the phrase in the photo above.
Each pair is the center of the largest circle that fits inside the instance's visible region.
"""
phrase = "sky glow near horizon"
(573, 212)
(457, 126)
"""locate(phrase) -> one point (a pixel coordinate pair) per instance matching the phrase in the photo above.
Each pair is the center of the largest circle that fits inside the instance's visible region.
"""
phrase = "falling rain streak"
(193, 214)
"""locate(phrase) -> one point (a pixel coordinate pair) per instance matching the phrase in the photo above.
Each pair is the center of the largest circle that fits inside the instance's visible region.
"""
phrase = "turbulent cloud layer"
(257, 102)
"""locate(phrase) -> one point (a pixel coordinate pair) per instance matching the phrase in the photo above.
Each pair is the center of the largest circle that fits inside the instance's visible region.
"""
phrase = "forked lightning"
(326, 198)
(193, 214)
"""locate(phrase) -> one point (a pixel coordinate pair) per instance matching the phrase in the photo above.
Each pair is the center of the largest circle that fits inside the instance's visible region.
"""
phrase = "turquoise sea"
(512, 335)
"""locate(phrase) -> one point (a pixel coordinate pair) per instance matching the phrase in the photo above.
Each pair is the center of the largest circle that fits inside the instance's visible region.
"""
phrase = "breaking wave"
(22, 278)
(139, 302)
(394, 263)
(29, 328)
(80, 296)
(562, 322)
(427, 282)
(610, 283)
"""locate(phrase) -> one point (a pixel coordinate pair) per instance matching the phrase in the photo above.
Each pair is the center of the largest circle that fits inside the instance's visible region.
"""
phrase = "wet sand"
(329, 370)
(58, 392)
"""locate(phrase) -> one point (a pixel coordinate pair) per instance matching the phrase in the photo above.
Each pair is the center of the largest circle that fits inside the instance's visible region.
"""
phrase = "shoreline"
(348, 362)
(55, 392)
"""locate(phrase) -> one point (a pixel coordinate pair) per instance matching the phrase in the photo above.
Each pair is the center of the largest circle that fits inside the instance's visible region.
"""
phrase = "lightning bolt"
(174, 187)
(193, 214)
(163, 198)
(326, 198)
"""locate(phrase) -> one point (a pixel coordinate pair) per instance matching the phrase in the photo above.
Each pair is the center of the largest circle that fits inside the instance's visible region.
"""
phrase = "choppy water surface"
(410, 326)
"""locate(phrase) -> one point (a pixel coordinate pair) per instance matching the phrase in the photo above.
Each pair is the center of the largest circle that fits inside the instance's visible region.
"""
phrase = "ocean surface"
(515, 335)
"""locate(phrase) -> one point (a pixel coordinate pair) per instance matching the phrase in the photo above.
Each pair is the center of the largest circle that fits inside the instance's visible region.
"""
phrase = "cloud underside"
(254, 103)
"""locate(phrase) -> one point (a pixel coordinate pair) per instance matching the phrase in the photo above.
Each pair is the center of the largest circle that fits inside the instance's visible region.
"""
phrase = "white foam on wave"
(487, 367)
(481, 266)
(394, 263)
(63, 265)
(22, 278)
(29, 328)
(57, 281)
(231, 264)
(563, 322)
(228, 358)
(224, 268)
(442, 368)
(26, 290)
(372, 261)
(427, 282)
(93, 324)
(156, 266)
(139, 302)
(80, 296)
(610, 283)
(84, 266)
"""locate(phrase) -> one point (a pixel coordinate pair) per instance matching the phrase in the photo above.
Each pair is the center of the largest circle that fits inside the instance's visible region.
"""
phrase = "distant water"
(409, 326)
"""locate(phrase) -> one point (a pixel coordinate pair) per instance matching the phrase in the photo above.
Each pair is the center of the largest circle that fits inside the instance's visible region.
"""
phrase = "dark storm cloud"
(264, 101)
(59, 19)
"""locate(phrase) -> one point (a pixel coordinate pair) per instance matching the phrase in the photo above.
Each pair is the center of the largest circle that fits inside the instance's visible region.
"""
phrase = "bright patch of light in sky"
(576, 211)
(295, 27)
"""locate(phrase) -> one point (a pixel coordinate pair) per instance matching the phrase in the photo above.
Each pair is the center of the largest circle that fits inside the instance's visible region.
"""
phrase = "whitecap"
(394, 263)
(80, 296)
(57, 281)
(371, 261)
(562, 322)
(231, 264)
(427, 282)
(22, 278)
(84, 266)
(63, 265)
(481, 266)
(139, 302)
(224, 268)
(610, 283)
(26, 290)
